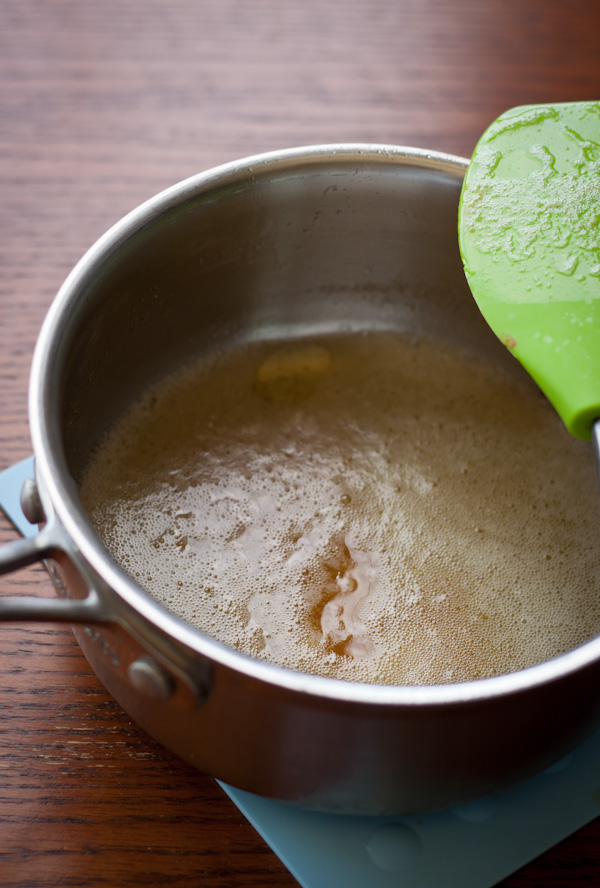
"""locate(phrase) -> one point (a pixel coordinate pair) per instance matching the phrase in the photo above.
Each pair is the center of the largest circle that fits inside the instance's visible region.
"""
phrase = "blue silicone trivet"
(473, 846)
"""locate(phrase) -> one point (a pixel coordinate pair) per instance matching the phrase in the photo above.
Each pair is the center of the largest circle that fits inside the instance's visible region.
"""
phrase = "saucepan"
(310, 240)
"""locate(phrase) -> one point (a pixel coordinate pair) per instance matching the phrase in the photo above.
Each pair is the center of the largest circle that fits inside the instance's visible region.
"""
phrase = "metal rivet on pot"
(150, 679)
(31, 503)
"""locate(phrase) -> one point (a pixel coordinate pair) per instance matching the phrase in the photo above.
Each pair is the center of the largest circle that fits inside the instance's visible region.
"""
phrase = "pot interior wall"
(312, 246)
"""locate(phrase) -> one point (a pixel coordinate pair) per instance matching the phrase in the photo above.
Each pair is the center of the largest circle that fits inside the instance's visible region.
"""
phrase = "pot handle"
(21, 552)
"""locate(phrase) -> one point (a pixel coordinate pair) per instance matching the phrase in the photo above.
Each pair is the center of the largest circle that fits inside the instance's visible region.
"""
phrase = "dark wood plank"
(101, 106)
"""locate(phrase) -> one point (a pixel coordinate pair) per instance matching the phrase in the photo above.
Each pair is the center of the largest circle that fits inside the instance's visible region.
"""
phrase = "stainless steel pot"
(294, 242)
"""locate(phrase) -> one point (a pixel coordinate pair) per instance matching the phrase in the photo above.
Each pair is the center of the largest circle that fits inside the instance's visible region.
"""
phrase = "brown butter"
(368, 507)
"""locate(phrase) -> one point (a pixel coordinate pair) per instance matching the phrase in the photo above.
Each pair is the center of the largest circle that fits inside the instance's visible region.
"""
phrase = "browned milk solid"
(369, 507)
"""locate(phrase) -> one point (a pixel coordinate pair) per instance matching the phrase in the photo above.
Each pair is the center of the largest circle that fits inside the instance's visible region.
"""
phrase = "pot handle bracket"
(92, 610)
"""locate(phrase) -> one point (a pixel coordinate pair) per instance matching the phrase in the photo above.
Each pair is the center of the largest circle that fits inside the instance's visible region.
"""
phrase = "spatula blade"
(529, 233)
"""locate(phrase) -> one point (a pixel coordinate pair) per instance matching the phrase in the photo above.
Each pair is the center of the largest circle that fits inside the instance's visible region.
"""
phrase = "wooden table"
(102, 105)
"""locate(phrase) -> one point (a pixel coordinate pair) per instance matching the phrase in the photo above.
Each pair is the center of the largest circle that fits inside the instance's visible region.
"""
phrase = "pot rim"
(56, 483)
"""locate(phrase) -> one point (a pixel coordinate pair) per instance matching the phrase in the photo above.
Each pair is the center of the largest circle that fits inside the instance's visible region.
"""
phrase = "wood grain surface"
(102, 104)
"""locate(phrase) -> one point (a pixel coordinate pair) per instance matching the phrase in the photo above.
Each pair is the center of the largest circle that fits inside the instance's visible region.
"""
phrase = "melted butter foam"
(366, 507)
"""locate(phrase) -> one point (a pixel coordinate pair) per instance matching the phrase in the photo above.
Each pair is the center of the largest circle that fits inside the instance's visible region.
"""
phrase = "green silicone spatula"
(529, 232)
